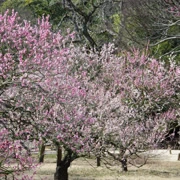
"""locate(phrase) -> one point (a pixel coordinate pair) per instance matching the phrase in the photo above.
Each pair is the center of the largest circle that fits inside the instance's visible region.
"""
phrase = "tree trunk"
(98, 159)
(59, 155)
(62, 166)
(41, 153)
(124, 164)
(61, 173)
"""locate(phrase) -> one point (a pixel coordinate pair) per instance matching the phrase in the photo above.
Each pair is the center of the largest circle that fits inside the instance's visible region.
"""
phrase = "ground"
(161, 167)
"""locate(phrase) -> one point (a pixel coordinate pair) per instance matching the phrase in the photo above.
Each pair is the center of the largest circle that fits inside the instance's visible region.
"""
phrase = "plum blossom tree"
(40, 100)
(83, 100)
(136, 98)
(139, 104)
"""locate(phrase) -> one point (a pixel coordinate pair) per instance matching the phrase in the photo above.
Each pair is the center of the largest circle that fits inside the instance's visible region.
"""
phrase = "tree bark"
(59, 155)
(124, 164)
(61, 173)
(62, 165)
(41, 153)
(98, 159)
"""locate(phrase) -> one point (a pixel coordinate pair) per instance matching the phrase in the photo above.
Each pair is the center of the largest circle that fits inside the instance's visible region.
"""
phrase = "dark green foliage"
(96, 22)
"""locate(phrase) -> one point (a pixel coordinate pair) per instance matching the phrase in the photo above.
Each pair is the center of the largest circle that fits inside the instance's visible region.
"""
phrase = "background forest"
(127, 23)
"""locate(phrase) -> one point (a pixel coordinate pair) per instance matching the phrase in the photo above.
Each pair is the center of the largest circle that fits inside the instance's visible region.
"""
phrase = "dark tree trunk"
(61, 173)
(98, 159)
(41, 153)
(59, 155)
(62, 165)
(124, 164)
